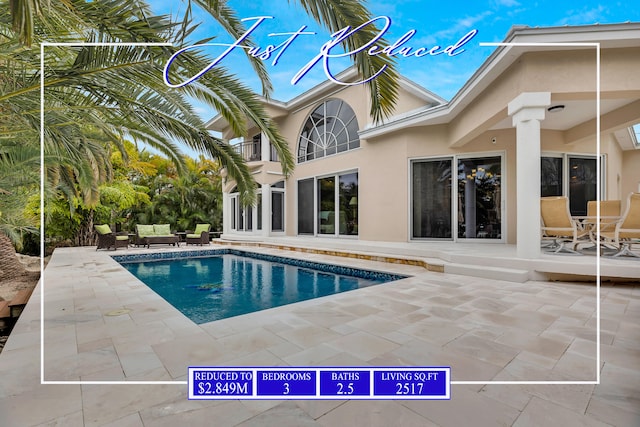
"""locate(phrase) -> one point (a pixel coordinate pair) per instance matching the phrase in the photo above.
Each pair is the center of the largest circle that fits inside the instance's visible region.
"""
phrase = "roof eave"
(499, 60)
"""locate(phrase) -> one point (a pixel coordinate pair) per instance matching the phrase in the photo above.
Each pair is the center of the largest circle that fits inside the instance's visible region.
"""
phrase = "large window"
(305, 206)
(277, 206)
(249, 218)
(551, 176)
(571, 175)
(330, 129)
(583, 179)
(348, 204)
(241, 217)
(328, 206)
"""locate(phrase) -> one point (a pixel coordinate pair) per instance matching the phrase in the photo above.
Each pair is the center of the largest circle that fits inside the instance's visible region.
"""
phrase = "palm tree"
(18, 181)
(114, 90)
(193, 197)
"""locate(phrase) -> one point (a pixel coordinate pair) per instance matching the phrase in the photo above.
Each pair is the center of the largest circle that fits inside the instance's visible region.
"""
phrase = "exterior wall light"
(555, 108)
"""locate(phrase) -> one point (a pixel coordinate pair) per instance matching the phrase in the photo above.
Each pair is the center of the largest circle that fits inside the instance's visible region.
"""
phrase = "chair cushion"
(103, 228)
(122, 237)
(144, 230)
(161, 229)
(201, 227)
(193, 236)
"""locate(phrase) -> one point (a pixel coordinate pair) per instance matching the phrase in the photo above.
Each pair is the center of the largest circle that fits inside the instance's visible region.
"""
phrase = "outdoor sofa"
(147, 235)
(108, 239)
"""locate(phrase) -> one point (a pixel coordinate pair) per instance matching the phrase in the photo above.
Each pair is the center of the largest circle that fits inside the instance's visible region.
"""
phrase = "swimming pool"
(212, 285)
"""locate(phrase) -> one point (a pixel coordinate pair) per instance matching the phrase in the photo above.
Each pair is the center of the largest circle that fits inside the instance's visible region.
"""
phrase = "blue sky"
(435, 22)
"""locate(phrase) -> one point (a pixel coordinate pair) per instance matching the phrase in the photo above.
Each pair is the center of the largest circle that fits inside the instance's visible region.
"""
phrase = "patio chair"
(200, 235)
(107, 238)
(627, 230)
(609, 209)
(557, 225)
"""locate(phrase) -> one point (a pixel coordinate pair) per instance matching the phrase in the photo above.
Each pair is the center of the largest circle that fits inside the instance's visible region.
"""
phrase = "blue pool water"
(231, 283)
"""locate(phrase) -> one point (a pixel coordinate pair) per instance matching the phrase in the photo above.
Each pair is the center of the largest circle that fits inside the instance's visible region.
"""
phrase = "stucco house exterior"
(468, 170)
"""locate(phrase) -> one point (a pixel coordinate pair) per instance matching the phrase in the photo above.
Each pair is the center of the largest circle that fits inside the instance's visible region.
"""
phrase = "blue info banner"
(290, 383)
(208, 382)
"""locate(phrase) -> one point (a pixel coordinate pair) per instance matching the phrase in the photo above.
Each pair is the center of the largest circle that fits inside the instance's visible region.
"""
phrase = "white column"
(527, 110)
(226, 213)
(265, 148)
(266, 210)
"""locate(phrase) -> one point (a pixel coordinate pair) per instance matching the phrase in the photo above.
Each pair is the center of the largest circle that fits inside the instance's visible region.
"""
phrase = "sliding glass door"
(583, 179)
(250, 219)
(479, 198)
(474, 202)
(431, 199)
(328, 206)
(348, 204)
(305, 206)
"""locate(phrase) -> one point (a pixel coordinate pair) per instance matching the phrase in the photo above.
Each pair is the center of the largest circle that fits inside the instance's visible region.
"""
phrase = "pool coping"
(206, 253)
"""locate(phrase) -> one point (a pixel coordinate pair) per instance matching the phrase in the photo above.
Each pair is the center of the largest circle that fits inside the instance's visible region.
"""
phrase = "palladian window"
(330, 129)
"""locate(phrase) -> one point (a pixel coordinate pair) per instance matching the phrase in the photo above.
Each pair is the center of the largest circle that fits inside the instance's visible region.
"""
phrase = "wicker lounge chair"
(200, 236)
(108, 239)
(557, 225)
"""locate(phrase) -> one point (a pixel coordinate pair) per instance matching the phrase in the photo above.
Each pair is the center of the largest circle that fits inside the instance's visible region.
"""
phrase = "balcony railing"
(251, 151)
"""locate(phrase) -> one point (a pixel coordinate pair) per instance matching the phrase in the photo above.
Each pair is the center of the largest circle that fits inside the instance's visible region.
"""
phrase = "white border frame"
(42, 181)
(596, 46)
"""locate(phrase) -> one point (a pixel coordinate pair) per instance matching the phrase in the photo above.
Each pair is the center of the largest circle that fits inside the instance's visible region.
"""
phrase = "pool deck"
(102, 324)
(477, 259)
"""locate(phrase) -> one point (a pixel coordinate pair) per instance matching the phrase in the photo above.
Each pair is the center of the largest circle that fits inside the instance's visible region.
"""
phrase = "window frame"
(566, 156)
(454, 197)
(336, 199)
(304, 156)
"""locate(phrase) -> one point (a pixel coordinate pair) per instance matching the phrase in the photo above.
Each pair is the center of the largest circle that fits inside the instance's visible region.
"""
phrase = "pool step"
(488, 272)
(432, 264)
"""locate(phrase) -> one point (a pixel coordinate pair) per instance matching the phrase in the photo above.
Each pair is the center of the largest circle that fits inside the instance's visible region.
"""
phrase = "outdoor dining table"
(589, 222)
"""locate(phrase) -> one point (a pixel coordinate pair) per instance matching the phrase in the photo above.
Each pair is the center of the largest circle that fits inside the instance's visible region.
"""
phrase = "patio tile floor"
(102, 324)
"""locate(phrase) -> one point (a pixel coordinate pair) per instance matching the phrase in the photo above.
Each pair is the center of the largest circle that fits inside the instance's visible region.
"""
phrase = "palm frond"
(229, 20)
(338, 14)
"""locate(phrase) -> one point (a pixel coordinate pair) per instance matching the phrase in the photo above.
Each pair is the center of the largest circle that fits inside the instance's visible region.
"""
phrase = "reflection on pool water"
(216, 287)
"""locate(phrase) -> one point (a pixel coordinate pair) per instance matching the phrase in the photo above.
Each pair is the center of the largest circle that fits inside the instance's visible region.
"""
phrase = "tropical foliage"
(145, 189)
(195, 196)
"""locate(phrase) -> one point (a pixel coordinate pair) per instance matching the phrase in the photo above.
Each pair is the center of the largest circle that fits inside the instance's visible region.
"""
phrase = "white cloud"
(464, 24)
(507, 3)
(458, 29)
(585, 16)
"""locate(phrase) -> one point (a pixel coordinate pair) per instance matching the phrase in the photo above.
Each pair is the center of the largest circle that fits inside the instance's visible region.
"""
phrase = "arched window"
(330, 129)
